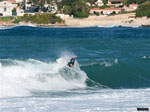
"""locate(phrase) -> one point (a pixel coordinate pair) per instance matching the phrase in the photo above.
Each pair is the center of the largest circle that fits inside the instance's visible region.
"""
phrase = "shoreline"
(65, 26)
(124, 20)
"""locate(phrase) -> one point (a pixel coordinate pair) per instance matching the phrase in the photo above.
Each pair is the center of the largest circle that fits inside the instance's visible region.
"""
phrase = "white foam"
(144, 57)
(108, 64)
(10, 27)
(21, 78)
(116, 61)
(106, 100)
(112, 26)
(6, 27)
(105, 63)
(109, 26)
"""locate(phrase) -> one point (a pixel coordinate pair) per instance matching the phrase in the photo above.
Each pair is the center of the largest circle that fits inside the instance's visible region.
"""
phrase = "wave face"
(21, 78)
(120, 74)
(34, 59)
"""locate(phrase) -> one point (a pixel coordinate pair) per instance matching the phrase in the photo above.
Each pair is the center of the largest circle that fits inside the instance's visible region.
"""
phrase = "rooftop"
(116, 0)
(11, 1)
(133, 4)
(106, 9)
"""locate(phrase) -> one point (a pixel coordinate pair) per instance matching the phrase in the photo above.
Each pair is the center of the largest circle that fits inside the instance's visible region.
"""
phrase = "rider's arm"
(72, 60)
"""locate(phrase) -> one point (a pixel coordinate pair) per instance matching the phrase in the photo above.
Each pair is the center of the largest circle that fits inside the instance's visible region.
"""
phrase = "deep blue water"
(118, 57)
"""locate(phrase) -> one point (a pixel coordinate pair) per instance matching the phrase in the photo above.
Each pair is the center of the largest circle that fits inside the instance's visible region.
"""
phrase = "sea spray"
(21, 78)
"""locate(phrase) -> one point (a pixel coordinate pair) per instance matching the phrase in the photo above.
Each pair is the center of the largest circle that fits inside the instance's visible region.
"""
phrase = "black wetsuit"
(71, 61)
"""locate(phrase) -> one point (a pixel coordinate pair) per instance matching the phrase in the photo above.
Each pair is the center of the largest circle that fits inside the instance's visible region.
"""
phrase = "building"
(12, 1)
(18, 1)
(6, 7)
(99, 3)
(115, 3)
(30, 7)
(51, 7)
(132, 7)
(88, 3)
(106, 11)
(19, 11)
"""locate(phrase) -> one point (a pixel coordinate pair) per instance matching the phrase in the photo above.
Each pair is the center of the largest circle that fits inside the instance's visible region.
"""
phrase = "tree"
(77, 8)
(135, 1)
(125, 2)
(14, 13)
(67, 10)
(143, 10)
(105, 2)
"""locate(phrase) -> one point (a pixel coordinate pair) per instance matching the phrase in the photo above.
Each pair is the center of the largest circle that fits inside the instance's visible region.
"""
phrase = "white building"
(115, 3)
(20, 12)
(51, 7)
(106, 11)
(19, 1)
(99, 3)
(28, 5)
(6, 8)
(132, 7)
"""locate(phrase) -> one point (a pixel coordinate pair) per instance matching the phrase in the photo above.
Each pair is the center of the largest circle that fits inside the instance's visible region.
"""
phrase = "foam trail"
(21, 78)
(6, 27)
(105, 63)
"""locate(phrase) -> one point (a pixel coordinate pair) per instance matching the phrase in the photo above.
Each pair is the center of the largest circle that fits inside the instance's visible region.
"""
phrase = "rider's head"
(70, 65)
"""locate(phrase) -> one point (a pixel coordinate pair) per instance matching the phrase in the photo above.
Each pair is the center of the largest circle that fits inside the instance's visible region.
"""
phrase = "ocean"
(111, 72)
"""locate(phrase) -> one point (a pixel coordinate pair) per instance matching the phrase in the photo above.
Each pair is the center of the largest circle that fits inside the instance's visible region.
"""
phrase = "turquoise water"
(111, 62)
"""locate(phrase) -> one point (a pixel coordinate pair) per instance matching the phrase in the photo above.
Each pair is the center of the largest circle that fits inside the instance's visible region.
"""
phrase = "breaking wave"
(21, 78)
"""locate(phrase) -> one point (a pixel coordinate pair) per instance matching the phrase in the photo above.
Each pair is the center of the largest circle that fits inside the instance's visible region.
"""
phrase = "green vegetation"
(39, 19)
(67, 10)
(41, 3)
(127, 12)
(91, 1)
(105, 6)
(143, 10)
(105, 2)
(14, 13)
(127, 2)
(77, 8)
(6, 19)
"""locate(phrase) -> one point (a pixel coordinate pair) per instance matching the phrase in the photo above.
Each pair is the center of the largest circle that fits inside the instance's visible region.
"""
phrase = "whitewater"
(21, 78)
(111, 72)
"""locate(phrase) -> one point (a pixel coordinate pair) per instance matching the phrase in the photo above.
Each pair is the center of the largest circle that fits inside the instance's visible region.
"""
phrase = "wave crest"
(21, 78)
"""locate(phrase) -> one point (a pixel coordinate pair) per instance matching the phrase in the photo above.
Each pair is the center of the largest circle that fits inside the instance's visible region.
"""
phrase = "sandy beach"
(128, 20)
(105, 21)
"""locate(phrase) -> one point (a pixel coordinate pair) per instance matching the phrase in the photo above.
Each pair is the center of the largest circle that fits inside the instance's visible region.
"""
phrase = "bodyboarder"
(72, 61)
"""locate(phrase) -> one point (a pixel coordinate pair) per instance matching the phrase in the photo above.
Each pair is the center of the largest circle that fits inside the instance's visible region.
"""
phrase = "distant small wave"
(145, 57)
(65, 27)
(11, 27)
(6, 27)
(116, 26)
